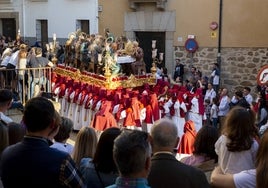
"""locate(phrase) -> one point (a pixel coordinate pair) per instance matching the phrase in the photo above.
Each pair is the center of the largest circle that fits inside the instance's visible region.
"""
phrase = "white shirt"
(249, 98)
(5, 61)
(216, 78)
(210, 94)
(68, 148)
(14, 58)
(22, 65)
(214, 111)
(234, 162)
(245, 179)
(224, 106)
(5, 118)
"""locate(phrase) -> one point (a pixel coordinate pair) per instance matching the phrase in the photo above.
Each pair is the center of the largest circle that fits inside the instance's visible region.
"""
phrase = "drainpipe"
(219, 39)
(23, 19)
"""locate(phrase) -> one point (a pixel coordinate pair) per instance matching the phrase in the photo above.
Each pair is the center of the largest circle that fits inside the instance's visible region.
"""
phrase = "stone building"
(240, 36)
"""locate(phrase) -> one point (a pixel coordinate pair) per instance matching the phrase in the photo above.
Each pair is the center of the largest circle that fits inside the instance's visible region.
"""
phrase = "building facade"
(238, 39)
(38, 20)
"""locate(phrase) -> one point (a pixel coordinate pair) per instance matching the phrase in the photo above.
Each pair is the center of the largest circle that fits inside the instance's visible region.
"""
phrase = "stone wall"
(239, 66)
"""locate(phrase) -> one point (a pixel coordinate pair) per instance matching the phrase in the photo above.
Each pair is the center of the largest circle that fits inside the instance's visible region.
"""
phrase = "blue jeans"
(37, 81)
(215, 122)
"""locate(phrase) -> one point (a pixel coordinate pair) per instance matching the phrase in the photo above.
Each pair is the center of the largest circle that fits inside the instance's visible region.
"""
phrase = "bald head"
(164, 135)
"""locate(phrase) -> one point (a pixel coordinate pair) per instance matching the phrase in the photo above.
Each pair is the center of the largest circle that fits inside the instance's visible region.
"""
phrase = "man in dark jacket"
(239, 100)
(179, 70)
(32, 163)
(166, 170)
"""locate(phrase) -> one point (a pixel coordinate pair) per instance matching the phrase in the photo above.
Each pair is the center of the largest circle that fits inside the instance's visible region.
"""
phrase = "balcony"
(160, 4)
(38, 0)
(6, 5)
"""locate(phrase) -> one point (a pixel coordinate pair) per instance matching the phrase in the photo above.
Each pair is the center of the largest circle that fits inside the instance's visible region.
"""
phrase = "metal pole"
(219, 39)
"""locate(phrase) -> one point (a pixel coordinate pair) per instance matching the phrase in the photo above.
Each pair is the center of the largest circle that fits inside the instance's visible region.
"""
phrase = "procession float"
(107, 62)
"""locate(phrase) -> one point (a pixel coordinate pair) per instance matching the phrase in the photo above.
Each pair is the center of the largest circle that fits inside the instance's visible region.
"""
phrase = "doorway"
(83, 25)
(145, 42)
(42, 32)
(9, 27)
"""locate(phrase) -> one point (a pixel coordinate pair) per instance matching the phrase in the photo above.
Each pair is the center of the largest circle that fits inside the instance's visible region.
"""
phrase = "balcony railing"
(160, 4)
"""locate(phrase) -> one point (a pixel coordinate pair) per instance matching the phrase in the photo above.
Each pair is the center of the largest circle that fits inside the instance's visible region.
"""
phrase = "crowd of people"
(122, 157)
(182, 131)
(24, 69)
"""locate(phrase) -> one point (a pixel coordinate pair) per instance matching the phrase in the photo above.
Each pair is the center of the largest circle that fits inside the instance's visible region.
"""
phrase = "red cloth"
(95, 101)
(144, 99)
(129, 119)
(87, 104)
(136, 107)
(62, 90)
(149, 115)
(155, 107)
(83, 96)
(76, 95)
(117, 97)
(188, 138)
(104, 119)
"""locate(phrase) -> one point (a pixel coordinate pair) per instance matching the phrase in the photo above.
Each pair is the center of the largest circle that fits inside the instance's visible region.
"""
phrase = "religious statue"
(69, 50)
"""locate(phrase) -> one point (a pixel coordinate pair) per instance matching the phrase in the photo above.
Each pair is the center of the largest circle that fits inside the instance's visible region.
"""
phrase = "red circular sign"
(262, 77)
(213, 25)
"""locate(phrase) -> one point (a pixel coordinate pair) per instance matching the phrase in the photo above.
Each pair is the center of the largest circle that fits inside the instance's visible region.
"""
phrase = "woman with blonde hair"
(85, 144)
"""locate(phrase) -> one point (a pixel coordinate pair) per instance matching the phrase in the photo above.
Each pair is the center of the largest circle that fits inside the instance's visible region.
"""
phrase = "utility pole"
(219, 39)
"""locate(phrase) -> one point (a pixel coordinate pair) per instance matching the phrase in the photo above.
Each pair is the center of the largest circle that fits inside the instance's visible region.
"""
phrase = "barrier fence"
(26, 83)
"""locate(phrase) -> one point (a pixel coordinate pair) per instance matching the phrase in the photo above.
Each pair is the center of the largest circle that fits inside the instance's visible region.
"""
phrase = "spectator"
(63, 135)
(85, 144)
(38, 79)
(11, 74)
(32, 163)
(101, 171)
(179, 70)
(166, 170)
(237, 146)
(223, 107)
(215, 76)
(248, 178)
(5, 104)
(210, 93)
(207, 115)
(132, 154)
(16, 132)
(239, 101)
(204, 156)
(3, 64)
(261, 109)
(245, 178)
(16, 102)
(247, 95)
(22, 74)
(214, 112)
(4, 142)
